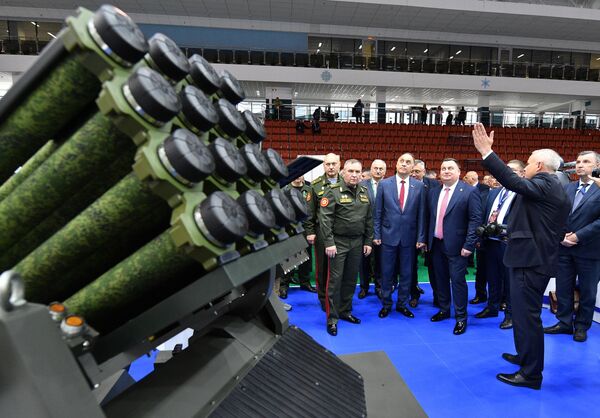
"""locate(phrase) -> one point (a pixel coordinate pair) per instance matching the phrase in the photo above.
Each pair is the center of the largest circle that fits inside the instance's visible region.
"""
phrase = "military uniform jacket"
(316, 191)
(347, 213)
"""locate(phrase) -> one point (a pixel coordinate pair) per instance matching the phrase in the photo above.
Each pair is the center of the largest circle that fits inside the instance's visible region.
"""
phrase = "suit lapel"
(395, 191)
(458, 191)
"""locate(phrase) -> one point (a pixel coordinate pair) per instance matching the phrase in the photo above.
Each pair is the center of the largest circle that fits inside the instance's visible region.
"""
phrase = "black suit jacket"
(538, 216)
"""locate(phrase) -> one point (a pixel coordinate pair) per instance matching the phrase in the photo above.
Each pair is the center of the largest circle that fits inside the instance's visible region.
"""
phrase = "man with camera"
(494, 238)
(535, 229)
(579, 256)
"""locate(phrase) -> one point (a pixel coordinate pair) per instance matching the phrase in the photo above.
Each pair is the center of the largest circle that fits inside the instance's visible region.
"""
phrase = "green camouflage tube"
(112, 253)
(85, 155)
(114, 297)
(102, 221)
(66, 80)
(67, 211)
(29, 167)
(46, 111)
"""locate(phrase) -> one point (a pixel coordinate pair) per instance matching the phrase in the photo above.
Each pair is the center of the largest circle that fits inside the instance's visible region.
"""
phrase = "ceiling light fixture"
(320, 43)
(257, 93)
(318, 50)
(451, 57)
(51, 35)
(426, 49)
(458, 52)
(598, 59)
(393, 48)
(360, 46)
(521, 56)
(35, 24)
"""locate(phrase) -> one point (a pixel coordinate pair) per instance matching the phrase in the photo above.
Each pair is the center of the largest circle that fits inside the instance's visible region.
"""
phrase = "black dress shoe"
(414, 303)
(283, 292)
(420, 289)
(362, 294)
(503, 306)
(517, 379)
(405, 311)
(478, 299)
(486, 313)
(512, 358)
(558, 329)
(580, 335)
(350, 318)
(309, 288)
(506, 324)
(332, 329)
(460, 328)
(384, 312)
(440, 316)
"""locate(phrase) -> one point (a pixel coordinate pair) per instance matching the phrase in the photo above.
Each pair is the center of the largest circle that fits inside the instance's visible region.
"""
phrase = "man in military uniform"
(331, 165)
(305, 268)
(346, 227)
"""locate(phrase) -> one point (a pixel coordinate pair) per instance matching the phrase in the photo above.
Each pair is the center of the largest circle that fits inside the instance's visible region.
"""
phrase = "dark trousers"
(303, 270)
(321, 268)
(414, 282)
(450, 272)
(341, 280)
(526, 293)
(431, 273)
(397, 261)
(371, 268)
(480, 273)
(587, 272)
(497, 275)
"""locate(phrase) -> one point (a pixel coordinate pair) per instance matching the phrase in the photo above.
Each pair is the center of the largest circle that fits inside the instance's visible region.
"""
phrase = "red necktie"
(439, 225)
(401, 198)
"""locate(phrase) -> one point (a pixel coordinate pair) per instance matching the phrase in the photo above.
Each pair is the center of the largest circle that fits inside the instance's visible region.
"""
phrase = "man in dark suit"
(535, 229)
(497, 210)
(371, 264)
(481, 270)
(579, 254)
(454, 215)
(400, 230)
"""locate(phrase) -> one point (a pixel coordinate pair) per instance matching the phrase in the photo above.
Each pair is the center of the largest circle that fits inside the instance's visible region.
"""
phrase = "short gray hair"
(352, 161)
(421, 162)
(590, 152)
(549, 157)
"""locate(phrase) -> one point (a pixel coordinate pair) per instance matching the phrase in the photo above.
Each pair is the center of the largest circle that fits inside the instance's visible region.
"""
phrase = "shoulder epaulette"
(317, 180)
(334, 185)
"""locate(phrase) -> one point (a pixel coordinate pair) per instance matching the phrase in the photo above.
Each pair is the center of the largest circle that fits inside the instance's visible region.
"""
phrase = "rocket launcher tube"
(29, 167)
(75, 65)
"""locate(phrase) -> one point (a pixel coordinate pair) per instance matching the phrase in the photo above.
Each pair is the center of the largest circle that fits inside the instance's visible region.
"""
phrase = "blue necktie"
(579, 195)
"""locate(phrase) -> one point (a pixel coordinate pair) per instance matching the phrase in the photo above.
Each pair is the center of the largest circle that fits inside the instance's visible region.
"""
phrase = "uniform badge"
(308, 196)
(364, 199)
(324, 202)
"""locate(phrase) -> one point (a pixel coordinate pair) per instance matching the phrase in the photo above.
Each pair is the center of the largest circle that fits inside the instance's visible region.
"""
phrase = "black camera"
(596, 173)
(492, 229)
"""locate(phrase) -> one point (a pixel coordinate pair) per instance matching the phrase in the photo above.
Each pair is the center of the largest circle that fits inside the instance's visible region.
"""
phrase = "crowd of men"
(523, 224)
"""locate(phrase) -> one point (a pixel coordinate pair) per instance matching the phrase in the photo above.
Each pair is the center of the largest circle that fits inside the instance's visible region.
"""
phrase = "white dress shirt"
(504, 208)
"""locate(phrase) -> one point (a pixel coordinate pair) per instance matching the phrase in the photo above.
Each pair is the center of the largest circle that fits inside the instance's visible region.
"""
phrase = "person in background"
(431, 174)
(277, 107)
(449, 118)
(439, 115)
(454, 215)
(424, 113)
(304, 270)
(579, 253)
(317, 114)
(371, 264)
(400, 231)
(462, 116)
(357, 111)
(365, 175)
(318, 187)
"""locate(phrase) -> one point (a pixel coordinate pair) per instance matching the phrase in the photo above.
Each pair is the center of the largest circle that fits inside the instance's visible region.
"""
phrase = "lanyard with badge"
(496, 212)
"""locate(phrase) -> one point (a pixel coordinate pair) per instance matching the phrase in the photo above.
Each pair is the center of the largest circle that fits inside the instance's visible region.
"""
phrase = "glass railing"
(412, 115)
(487, 68)
(354, 61)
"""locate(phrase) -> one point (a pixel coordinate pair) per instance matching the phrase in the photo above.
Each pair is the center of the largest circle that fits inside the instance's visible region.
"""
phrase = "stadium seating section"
(431, 144)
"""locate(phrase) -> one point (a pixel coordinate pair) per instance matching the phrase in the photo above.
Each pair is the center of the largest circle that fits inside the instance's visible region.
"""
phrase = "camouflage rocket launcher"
(65, 80)
(145, 206)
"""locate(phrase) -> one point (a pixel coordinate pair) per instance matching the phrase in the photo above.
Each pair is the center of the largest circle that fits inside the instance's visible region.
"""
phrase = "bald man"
(331, 166)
